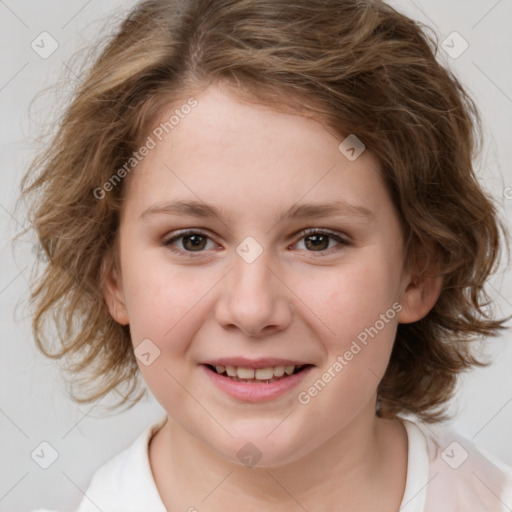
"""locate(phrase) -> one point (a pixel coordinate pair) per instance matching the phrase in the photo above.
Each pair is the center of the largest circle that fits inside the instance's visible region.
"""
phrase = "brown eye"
(188, 241)
(317, 242)
(320, 241)
(194, 242)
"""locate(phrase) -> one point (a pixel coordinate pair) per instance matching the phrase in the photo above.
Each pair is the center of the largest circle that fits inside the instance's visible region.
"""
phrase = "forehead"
(237, 154)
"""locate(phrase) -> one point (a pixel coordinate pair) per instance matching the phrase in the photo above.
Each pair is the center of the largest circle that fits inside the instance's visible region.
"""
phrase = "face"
(249, 242)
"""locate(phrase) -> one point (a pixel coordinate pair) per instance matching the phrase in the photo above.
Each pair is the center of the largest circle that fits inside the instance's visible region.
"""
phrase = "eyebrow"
(310, 210)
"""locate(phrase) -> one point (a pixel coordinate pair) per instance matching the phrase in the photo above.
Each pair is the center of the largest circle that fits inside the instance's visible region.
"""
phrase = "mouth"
(261, 375)
(256, 380)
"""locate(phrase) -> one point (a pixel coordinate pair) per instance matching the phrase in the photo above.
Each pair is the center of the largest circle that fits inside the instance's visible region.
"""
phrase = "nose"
(254, 299)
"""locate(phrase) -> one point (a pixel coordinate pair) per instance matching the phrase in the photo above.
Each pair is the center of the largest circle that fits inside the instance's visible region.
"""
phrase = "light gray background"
(34, 406)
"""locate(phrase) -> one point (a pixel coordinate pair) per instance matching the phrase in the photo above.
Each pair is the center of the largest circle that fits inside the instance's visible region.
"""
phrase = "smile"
(256, 384)
(268, 375)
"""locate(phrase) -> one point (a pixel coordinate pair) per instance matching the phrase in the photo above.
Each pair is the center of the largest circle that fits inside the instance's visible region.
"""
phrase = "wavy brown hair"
(357, 65)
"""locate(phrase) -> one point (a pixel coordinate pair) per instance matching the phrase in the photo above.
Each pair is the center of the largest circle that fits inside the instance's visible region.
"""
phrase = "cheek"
(160, 298)
(163, 303)
(360, 311)
(357, 309)
(353, 298)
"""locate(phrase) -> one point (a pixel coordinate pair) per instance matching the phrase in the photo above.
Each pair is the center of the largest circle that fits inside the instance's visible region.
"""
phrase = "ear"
(112, 287)
(419, 296)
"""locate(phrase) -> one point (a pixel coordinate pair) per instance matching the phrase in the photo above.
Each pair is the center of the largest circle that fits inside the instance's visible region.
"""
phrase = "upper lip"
(245, 362)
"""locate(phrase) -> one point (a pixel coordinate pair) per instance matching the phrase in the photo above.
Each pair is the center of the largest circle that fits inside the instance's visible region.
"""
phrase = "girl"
(268, 210)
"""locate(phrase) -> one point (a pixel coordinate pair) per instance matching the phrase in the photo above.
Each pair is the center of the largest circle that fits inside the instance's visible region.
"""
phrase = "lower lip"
(254, 391)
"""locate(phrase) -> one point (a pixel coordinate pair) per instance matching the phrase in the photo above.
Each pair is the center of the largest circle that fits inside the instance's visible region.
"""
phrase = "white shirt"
(445, 473)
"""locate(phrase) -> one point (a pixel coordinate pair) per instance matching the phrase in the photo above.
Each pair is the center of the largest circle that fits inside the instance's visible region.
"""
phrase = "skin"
(294, 301)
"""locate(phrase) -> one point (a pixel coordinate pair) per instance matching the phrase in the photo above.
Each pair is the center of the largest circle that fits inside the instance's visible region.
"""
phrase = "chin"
(255, 447)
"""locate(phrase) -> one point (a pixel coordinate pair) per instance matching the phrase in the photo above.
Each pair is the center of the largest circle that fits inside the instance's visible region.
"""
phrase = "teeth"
(258, 374)
(231, 371)
(264, 373)
(289, 369)
(278, 371)
(245, 373)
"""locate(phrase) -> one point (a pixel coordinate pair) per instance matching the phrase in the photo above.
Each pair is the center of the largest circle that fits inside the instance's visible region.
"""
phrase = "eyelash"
(303, 234)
